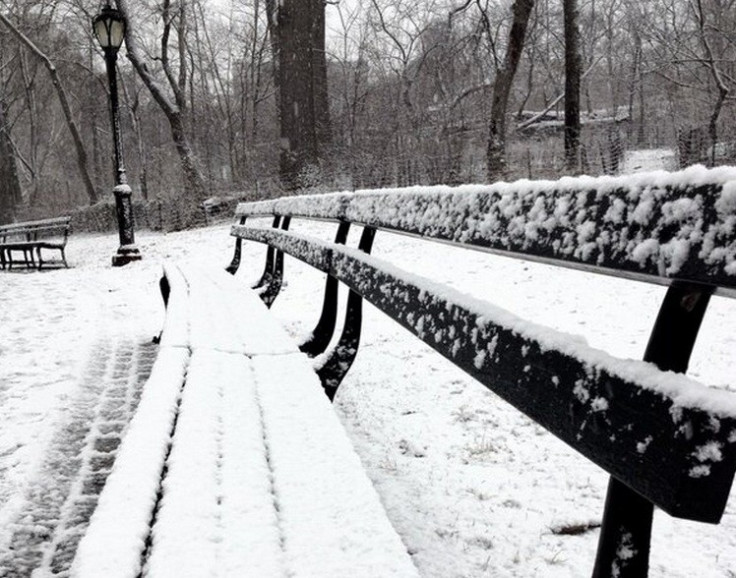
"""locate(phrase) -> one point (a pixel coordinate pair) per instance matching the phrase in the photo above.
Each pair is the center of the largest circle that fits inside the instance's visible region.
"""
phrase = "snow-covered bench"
(235, 464)
(666, 440)
(32, 236)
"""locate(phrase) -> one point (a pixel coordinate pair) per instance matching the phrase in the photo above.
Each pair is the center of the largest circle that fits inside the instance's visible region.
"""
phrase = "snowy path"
(71, 371)
(473, 488)
(60, 500)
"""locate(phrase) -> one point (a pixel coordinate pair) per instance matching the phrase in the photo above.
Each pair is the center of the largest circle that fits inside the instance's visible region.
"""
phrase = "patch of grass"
(555, 558)
(481, 447)
(462, 414)
(481, 542)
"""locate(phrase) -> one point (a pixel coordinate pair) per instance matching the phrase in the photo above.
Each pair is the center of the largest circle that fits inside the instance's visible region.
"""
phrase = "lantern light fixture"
(109, 27)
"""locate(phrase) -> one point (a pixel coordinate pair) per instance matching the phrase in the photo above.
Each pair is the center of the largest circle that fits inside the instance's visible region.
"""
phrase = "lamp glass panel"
(102, 32)
(117, 33)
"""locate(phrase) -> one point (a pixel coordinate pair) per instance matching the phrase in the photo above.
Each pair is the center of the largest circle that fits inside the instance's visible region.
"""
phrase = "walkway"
(60, 501)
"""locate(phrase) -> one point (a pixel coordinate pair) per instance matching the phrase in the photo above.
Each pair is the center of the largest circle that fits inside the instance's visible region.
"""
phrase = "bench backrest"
(655, 227)
(667, 437)
(34, 230)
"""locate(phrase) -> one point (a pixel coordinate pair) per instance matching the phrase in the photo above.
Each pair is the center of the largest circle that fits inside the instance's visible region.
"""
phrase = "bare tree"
(170, 94)
(496, 152)
(411, 46)
(709, 34)
(64, 100)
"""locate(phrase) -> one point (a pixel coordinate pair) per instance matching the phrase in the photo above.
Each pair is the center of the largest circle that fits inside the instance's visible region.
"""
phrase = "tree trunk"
(135, 121)
(713, 125)
(195, 189)
(496, 153)
(319, 63)
(297, 35)
(10, 192)
(572, 86)
(192, 174)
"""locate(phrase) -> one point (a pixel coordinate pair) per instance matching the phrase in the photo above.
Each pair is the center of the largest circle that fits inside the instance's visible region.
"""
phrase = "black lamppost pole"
(109, 28)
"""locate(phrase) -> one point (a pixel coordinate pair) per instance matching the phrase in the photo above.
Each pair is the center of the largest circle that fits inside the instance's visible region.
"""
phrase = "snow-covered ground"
(638, 161)
(473, 487)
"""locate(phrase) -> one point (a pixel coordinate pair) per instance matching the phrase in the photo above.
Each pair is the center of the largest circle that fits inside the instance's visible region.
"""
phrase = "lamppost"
(109, 28)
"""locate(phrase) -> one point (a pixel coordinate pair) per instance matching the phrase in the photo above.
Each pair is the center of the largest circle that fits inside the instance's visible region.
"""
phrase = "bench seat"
(260, 478)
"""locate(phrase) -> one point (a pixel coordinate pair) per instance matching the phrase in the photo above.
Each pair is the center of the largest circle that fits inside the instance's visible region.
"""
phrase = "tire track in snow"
(61, 502)
(37, 524)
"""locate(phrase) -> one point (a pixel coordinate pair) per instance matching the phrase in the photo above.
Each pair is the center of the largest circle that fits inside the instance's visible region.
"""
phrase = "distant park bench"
(666, 440)
(29, 238)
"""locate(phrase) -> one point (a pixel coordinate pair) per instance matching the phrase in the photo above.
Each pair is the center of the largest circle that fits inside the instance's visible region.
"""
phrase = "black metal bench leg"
(165, 288)
(623, 546)
(270, 257)
(341, 359)
(624, 543)
(275, 281)
(325, 328)
(232, 268)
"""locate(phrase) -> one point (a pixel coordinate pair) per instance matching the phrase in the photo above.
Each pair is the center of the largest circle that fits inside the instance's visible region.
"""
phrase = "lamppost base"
(125, 255)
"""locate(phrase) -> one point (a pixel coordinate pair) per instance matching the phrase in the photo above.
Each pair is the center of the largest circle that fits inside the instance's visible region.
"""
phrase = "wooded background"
(253, 98)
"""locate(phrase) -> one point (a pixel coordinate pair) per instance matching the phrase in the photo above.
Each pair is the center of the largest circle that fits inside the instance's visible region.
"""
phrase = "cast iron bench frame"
(675, 230)
(32, 236)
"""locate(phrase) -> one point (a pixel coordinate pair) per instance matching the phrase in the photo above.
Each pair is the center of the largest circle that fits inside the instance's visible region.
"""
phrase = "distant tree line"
(259, 97)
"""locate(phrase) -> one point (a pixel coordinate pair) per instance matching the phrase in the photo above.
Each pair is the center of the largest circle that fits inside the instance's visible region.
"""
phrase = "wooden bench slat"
(657, 438)
(227, 316)
(60, 223)
(217, 509)
(332, 522)
(245, 480)
(185, 535)
(19, 245)
(219, 313)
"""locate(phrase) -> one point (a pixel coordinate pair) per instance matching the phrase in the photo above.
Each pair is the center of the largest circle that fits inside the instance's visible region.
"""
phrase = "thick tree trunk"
(10, 192)
(496, 153)
(572, 86)
(189, 165)
(297, 33)
(319, 63)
